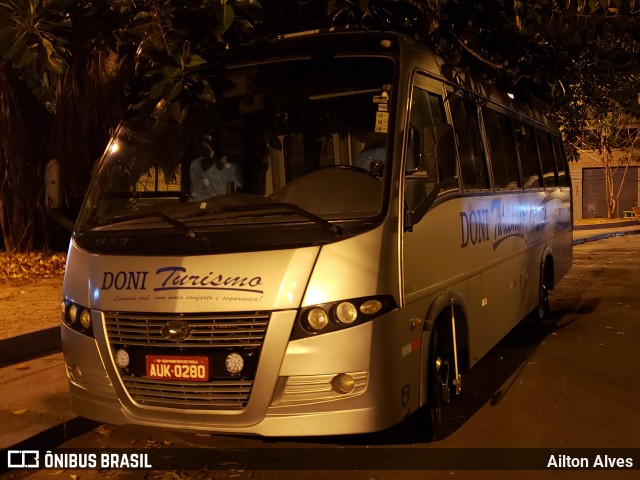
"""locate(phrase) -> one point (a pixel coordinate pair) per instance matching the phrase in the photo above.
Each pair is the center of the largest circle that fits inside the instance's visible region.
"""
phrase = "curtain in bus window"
(502, 150)
(473, 167)
(528, 155)
(561, 162)
(547, 159)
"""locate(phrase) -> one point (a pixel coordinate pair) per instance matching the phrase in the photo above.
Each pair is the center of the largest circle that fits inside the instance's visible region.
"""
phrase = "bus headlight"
(73, 314)
(317, 319)
(341, 314)
(346, 313)
(371, 307)
(76, 317)
(85, 319)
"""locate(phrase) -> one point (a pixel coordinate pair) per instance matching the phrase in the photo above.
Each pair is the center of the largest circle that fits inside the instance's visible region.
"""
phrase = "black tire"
(542, 309)
(441, 389)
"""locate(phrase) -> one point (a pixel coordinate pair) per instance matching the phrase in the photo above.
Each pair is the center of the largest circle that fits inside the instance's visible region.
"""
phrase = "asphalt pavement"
(35, 410)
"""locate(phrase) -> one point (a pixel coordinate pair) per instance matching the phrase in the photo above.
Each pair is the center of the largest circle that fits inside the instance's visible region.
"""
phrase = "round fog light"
(122, 358)
(234, 363)
(85, 318)
(346, 313)
(343, 383)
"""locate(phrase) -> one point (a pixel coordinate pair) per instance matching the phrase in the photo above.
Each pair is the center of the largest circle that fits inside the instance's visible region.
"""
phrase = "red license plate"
(178, 367)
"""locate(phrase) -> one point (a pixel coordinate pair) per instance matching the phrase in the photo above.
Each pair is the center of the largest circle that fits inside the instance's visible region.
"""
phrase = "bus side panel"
(495, 243)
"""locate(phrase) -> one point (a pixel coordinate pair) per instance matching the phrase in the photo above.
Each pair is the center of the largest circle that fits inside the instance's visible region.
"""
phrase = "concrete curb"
(49, 438)
(30, 345)
(597, 226)
(602, 236)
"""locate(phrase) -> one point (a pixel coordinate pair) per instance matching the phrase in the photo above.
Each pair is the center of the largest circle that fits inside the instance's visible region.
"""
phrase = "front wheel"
(441, 388)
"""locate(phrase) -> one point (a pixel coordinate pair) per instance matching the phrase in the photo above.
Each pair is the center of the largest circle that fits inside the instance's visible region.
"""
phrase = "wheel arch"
(440, 311)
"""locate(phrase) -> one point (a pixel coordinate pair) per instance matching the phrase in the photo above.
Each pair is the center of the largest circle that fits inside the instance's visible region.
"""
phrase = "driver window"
(427, 125)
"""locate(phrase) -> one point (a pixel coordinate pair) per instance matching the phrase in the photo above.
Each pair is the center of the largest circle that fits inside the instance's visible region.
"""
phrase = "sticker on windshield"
(384, 95)
(382, 121)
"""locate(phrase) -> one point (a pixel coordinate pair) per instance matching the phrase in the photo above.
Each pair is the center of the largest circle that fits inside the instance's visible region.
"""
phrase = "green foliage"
(30, 35)
(568, 54)
(176, 41)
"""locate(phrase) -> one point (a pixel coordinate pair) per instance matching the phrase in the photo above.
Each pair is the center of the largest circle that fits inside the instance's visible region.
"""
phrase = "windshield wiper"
(336, 229)
(188, 232)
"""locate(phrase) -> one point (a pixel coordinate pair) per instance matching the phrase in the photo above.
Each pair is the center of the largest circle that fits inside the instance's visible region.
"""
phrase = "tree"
(86, 60)
(612, 141)
(48, 48)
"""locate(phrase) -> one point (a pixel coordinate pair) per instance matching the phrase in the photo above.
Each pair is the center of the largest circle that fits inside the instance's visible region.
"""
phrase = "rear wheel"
(543, 307)
(542, 310)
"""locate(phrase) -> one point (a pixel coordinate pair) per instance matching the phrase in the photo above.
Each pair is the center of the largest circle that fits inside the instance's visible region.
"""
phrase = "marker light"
(122, 358)
(317, 319)
(346, 313)
(85, 318)
(234, 363)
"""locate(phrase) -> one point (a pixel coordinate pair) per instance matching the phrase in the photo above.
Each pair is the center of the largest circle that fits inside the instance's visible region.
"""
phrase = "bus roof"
(331, 42)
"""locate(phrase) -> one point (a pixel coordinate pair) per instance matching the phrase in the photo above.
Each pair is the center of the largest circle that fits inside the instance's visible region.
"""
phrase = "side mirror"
(414, 147)
(436, 151)
(54, 194)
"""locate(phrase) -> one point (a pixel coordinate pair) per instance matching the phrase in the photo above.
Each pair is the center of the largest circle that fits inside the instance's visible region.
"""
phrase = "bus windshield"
(301, 141)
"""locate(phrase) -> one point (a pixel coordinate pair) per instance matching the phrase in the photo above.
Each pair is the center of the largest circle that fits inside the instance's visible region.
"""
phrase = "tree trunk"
(24, 127)
(609, 190)
(89, 105)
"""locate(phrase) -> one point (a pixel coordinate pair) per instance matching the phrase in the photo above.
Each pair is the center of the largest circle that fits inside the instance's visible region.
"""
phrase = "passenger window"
(502, 150)
(561, 162)
(473, 164)
(528, 155)
(547, 159)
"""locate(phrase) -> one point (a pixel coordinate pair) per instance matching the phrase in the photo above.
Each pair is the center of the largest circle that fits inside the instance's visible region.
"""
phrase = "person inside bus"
(212, 175)
(373, 154)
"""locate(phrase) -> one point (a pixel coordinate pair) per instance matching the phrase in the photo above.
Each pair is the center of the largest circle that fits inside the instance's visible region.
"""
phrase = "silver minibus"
(325, 249)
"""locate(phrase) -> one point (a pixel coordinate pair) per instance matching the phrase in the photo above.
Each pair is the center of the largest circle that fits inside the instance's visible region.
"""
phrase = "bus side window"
(545, 148)
(502, 150)
(473, 162)
(528, 155)
(561, 162)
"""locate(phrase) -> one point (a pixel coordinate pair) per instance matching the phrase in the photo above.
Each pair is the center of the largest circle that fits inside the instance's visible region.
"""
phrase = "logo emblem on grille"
(175, 331)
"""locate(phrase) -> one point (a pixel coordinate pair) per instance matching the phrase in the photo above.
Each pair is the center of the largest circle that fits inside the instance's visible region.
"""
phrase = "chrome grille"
(207, 331)
(218, 394)
(233, 330)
